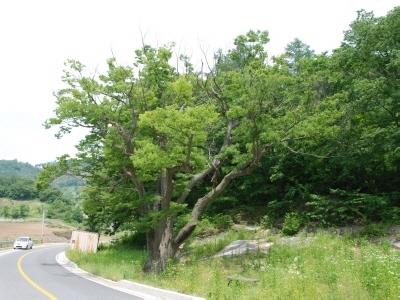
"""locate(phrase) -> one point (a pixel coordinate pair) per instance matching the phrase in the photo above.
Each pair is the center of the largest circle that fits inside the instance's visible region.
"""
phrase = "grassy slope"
(35, 206)
(324, 267)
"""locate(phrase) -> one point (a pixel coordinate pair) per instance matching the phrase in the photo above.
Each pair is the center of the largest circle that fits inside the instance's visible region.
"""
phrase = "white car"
(23, 242)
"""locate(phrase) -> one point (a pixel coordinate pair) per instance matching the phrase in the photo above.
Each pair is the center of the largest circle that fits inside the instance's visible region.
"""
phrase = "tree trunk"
(160, 247)
(161, 244)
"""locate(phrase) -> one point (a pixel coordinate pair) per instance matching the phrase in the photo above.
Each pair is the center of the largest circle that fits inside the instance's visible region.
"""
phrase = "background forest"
(17, 182)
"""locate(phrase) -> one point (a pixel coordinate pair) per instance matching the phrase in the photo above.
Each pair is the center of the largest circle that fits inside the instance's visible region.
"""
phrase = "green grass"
(35, 206)
(327, 266)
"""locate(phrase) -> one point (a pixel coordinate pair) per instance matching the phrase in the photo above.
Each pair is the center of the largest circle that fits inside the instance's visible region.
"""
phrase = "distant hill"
(69, 185)
(15, 168)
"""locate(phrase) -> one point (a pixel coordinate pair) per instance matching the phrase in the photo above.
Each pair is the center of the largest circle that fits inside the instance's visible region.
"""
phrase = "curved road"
(35, 274)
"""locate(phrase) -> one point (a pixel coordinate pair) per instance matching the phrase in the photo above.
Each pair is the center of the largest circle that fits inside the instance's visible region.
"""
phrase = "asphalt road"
(35, 274)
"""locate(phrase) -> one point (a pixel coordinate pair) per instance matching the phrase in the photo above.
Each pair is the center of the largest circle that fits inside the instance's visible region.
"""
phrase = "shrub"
(278, 208)
(14, 212)
(222, 222)
(265, 222)
(292, 224)
(181, 221)
(373, 230)
(205, 228)
(238, 218)
(222, 204)
(391, 215)
(6, 212)
(135, 240)
(341, 208)
(23, 210)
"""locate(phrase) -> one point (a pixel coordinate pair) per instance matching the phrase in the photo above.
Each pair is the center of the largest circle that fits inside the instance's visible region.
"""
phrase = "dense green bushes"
(265, 222)
(211, 225)
(61, 198)
(291, 224)
(334, 208)
(17, 188)
(65, 210)
(15, 211)
(342, 208)
(59, 206)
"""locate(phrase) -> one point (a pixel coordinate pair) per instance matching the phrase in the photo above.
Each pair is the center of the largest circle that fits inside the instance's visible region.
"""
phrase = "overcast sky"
(36, 37)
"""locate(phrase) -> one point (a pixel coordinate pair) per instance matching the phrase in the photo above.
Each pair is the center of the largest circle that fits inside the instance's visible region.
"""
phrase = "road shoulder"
(129, 287)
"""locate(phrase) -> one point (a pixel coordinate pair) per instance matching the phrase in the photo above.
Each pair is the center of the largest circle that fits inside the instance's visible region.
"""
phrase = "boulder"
(240, 247)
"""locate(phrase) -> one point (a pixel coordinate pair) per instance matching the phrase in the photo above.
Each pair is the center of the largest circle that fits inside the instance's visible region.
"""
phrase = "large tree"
(155, 134)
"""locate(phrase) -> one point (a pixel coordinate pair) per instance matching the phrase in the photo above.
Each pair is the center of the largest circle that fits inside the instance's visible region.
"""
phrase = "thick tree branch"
(196, 179)
(202, 202)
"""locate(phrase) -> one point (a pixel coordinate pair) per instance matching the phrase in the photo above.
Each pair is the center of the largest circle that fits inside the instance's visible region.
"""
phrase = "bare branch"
(206, 60)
